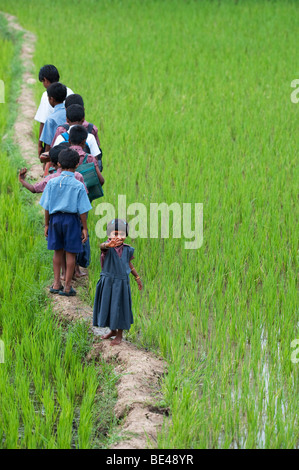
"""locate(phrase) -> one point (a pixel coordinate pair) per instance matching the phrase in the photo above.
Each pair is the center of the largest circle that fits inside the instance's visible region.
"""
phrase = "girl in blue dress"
(113, 304)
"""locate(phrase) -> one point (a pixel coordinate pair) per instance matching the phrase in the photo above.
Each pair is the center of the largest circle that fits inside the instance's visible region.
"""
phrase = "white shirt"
(45, 109)
(91, 141)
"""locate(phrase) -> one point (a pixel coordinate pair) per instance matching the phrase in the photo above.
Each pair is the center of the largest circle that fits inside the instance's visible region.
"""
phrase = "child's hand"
(119, 241)
(84, 235)
(46, 230)
(22, 174)
(140, 286)
(114, 242)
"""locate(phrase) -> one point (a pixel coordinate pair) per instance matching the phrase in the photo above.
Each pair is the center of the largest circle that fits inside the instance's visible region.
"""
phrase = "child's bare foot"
(78, 272)
(116, 340)
(108, 335)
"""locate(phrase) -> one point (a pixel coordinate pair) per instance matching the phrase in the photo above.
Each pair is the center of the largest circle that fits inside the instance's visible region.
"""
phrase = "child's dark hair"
(119, 225)
(75, 113)
(53, 154)
(78, 134)
(68, 158)
(74, 99)
(57, 91)
(49, 72)
(55, 151)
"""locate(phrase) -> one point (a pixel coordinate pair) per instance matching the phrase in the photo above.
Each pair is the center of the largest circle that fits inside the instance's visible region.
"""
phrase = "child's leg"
(46, 168)
(57, 260)
(78, 272)
(63, 266)
(118, 338)
(70, 267)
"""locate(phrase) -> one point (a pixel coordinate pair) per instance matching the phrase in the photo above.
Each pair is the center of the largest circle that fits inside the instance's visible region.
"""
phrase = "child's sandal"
(56, 291)
(68, 294)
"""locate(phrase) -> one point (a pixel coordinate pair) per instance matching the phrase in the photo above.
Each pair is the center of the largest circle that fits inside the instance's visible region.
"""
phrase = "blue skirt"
(113, 303)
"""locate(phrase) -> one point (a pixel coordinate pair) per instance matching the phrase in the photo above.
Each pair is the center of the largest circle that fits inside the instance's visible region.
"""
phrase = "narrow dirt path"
(140, 375)
(140, 371)
(26, 107)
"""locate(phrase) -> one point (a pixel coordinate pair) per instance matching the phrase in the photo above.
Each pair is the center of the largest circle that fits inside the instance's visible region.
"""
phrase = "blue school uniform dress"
(113, 302)
(65, 198)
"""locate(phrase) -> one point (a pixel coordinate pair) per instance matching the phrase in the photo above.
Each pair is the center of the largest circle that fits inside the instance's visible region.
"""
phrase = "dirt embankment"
(140, 371)
(140, 376)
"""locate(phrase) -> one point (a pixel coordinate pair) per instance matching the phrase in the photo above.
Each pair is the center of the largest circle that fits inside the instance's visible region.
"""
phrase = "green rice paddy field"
(193, 104)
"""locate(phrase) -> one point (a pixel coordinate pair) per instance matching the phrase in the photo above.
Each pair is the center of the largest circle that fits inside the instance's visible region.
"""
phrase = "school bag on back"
(66, 137)
(91, 179)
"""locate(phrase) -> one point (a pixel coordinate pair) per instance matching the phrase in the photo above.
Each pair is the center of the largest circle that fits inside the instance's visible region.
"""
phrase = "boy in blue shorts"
(66, 203)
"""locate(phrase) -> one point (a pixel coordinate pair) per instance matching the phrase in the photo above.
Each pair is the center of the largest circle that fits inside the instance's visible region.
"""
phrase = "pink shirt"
(61, 130)
(40, 186)
(90, 158)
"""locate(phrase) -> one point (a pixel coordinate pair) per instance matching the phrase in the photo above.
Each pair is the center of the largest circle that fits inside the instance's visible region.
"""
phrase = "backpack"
(91, 179)
(89, 127)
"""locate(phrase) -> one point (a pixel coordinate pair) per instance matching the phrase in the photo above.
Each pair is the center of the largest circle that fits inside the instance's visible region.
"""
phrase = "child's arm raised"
(135, 274)
(111, 244)
(22, 176)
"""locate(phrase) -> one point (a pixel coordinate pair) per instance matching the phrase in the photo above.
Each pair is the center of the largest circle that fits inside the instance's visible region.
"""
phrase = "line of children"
(83, 258)
(40, 185)
(75, 116)
(77, 99)
(67, 136)
(66, 204)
